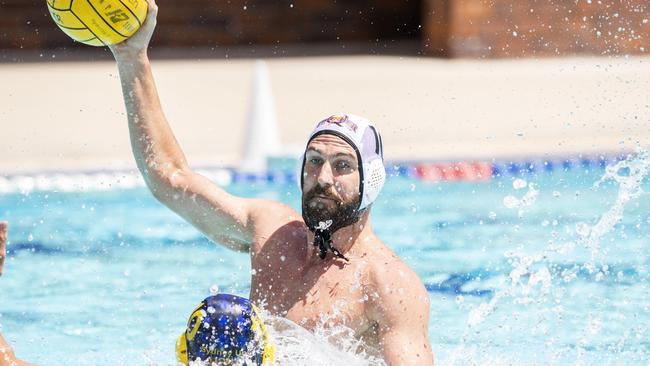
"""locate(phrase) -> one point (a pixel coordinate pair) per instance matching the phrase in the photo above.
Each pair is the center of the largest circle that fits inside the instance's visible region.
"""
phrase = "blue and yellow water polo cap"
(226, 330)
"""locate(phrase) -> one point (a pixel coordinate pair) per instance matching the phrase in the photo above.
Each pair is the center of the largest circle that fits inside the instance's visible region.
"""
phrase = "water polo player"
(325, 264)
(225, 330)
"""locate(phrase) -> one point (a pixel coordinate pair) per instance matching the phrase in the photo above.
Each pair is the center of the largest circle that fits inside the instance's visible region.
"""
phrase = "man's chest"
(324, 294)
(329, 302)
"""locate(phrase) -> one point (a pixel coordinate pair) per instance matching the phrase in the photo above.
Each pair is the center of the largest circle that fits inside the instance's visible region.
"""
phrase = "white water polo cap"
(364, 138)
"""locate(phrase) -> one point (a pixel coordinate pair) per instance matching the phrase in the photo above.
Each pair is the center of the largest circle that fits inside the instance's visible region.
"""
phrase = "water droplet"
(510, 201)
(519, 183)
(582, 229)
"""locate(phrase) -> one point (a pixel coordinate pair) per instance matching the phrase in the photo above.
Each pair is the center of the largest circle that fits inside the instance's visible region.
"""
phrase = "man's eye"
(316, 161)
(343, 165)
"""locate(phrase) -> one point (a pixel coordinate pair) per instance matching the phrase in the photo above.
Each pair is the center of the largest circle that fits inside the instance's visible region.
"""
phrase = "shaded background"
(446, 28)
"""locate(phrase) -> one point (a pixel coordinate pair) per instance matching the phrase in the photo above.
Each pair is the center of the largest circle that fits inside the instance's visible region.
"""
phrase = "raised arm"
(220, 216)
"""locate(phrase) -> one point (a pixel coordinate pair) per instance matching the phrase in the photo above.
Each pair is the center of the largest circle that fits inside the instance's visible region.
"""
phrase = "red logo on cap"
(340, 120)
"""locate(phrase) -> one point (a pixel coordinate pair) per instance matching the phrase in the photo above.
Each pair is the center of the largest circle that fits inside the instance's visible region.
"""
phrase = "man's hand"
(136, 46)
(4, 229)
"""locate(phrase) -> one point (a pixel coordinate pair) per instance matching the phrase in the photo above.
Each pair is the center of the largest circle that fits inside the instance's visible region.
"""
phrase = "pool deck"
(70, 115)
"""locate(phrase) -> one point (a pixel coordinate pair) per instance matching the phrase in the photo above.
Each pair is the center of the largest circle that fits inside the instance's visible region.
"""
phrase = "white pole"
(261, 138)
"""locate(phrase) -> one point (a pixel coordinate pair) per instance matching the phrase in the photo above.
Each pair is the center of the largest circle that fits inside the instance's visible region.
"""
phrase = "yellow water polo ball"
(98, 22)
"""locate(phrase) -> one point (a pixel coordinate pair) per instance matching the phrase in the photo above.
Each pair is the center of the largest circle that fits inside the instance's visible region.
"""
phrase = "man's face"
(330, 182)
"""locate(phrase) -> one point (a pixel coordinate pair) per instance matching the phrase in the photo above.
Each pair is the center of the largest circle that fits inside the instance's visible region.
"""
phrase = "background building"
(448, 28)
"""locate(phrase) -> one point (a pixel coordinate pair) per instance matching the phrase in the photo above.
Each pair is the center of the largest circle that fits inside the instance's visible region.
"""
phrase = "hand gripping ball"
(98, 22)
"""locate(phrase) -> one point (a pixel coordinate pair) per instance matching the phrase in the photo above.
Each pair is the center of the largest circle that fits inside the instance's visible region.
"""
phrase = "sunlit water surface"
(541, 269)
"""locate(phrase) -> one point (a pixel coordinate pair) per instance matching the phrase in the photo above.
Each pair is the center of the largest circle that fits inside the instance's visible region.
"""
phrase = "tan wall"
(70, 115)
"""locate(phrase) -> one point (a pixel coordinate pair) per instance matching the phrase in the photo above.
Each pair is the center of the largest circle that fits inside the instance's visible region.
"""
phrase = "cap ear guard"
(300, 170)
(374, 177)
(181, 350)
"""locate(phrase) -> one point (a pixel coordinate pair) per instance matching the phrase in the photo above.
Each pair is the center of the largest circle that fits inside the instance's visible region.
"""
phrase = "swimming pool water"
(110, 277)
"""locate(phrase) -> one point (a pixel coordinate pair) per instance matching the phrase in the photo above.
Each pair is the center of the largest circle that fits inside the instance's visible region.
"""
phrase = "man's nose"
(325, 177)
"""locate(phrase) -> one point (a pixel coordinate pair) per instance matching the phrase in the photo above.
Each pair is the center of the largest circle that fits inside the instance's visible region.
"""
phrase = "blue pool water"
(516, 273)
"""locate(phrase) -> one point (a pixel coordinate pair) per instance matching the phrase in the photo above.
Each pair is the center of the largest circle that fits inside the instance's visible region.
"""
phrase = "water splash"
(323, 346)
(329, 343)
(629, 175)
(526, 200)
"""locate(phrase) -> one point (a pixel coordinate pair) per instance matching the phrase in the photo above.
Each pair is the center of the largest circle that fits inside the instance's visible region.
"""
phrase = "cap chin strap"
(323, 240)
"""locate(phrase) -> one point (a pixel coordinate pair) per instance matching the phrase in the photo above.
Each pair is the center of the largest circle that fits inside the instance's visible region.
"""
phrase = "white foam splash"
(528, 199)
(637, 168)
(294, 345)
(519, 183)
(480, 313)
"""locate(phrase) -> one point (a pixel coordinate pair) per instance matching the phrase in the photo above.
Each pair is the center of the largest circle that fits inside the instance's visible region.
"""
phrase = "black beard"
(342, 214)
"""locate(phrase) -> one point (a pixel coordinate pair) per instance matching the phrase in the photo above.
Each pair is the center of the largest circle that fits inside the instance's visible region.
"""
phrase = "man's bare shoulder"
(390, 280)
(273, 219)
(399, 307)
(271, 213)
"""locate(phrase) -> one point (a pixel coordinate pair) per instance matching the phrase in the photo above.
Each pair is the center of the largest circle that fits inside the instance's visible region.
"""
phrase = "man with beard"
(326, 268)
